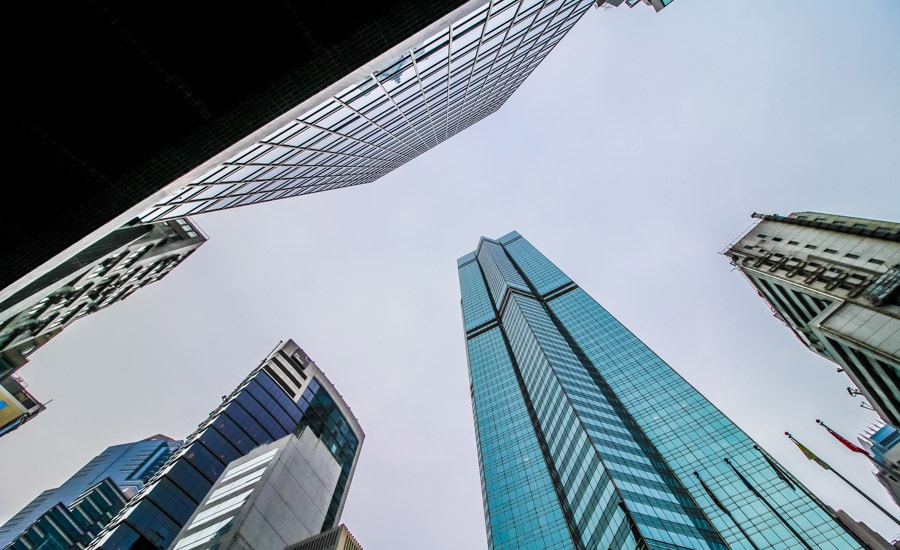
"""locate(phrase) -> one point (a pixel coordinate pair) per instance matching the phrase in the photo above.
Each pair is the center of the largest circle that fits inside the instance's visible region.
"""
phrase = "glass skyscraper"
(286, 393)
(425, 90)
(128, 466)
(587, 439)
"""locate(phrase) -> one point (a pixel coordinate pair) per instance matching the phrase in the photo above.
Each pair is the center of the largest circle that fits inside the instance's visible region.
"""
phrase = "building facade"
(657, 4)
(883, 444)
(17, 405)
(287, 393)
(835, 282)
(127, 466)
(75, 525)
(398, 79)
(107, 272)
(338, 538)
(587, 439)
(274, 496)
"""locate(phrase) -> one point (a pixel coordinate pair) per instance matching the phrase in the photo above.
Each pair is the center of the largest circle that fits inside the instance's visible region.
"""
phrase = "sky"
(631, 157)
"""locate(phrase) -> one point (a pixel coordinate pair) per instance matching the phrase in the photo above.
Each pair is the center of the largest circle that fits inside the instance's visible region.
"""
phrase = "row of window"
(849, 255)
(418, 101)
(857, 225)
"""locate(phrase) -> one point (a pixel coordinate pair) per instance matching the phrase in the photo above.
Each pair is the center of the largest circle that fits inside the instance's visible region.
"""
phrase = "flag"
(712, 495)
(777, 469)
(846, 442)
(810, 455)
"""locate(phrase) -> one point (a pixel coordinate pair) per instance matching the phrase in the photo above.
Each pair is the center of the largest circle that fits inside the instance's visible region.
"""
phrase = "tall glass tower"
(587, 439)
(286, 393)
(128, 466)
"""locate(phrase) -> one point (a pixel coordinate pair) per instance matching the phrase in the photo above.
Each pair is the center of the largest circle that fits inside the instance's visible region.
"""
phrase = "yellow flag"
(811, 455)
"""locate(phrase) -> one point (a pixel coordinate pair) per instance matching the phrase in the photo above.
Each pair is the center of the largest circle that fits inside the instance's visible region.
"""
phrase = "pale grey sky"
(631, 157)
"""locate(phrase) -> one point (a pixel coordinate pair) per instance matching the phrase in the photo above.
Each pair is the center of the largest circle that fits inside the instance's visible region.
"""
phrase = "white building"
(835, 282)
(108, 271)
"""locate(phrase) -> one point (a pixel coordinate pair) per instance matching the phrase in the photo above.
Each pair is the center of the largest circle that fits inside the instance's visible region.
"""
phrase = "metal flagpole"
(827, 466)
(727, 512)
(768, 505)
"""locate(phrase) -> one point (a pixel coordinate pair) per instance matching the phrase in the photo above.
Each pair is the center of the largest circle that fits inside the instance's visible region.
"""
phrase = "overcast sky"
(631, 157)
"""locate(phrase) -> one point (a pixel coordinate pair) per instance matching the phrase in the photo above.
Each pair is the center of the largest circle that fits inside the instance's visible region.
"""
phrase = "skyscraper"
(835, 282)
(286, 393)
(108, 272)
(276, 495)
(128, 466)
(169, 120)
(75, 525)
(587, 439)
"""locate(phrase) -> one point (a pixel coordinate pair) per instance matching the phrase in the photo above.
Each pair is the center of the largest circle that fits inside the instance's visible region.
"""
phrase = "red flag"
(846, 442)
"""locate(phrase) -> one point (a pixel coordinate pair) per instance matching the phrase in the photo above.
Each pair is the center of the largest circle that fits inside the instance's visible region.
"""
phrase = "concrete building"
(127, 466)
(873, 540)
(275, 495)
(17, 405)
(835, 282)
(99, 276)
(285, 394)
(173, 115)
(338, 538)
(587, 439)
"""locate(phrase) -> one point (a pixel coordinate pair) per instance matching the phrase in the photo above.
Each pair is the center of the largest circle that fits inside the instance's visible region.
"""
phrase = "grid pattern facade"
(75, 525)
(128, 466)
(618, 432)
(397, 112)
(265, 407)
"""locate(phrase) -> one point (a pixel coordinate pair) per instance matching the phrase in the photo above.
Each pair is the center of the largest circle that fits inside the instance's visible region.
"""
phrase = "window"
(811, 246)
(830, 251)
(876, 261)
(859, 225)
(852, 256)
(837, 222)
(777, 239)
(794, 242)
(761, 236)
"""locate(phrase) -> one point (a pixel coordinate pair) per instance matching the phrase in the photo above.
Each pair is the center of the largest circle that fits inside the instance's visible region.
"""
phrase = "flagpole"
(722, 507)
(847, 481)
(844, 441)
(769, 505)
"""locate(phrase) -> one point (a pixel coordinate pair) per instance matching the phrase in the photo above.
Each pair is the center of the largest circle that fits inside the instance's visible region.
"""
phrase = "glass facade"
(323, 416)
(73, 526)
(128, 466)
(406, 106)
(263, 409)
(587, 439)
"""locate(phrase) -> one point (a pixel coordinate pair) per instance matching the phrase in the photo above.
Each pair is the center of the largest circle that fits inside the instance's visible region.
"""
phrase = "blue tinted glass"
(188, 479)
(617, 428)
